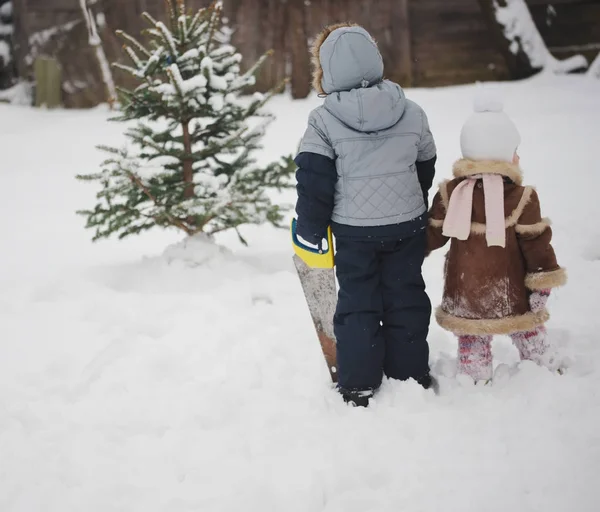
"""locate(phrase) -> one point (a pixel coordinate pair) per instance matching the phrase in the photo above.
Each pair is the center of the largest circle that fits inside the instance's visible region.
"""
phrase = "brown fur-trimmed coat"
(487, 289)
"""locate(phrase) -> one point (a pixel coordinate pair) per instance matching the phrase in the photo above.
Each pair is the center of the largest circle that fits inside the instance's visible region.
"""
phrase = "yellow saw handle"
(314, 258)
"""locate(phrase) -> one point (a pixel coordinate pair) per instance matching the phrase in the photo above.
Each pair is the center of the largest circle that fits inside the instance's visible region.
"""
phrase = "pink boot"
(534, 346)
(475, 357)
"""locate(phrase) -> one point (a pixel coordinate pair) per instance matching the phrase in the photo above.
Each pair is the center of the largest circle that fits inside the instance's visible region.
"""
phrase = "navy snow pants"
(383, 312)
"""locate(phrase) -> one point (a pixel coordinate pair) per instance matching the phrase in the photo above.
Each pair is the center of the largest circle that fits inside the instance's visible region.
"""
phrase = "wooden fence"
(423, 42)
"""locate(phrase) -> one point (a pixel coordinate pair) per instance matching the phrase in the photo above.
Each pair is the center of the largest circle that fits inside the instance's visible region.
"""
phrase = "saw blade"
(320, 292)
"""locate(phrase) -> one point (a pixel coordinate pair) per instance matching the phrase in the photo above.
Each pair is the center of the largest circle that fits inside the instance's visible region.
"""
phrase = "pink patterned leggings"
(475, 352)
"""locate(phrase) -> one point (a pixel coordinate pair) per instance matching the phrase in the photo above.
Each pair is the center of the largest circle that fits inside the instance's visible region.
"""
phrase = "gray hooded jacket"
(374, 134)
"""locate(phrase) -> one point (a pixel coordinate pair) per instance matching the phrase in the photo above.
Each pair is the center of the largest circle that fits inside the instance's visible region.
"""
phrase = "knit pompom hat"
(489, 134)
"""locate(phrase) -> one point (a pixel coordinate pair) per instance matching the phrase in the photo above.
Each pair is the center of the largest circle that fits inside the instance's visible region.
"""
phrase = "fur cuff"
(465, 168)
(546, 280)
(533, 229)
(495, 326)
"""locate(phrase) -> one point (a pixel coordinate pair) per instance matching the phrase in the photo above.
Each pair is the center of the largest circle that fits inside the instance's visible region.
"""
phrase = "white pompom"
(487, 100)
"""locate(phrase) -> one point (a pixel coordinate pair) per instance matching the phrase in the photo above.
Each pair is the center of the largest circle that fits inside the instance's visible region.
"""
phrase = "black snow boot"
(428, 382)
(357, 398)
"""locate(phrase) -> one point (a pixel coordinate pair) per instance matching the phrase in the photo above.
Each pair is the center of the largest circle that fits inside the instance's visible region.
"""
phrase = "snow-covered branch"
(594, 70)
(5, 54)
(521, 31)
(95, 42)
(19, 94)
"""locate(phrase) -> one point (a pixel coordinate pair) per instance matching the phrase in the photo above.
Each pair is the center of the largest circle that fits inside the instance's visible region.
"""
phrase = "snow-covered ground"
(142, 376)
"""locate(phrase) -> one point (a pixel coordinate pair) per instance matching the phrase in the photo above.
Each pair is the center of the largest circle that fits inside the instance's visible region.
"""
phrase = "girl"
(501, 266)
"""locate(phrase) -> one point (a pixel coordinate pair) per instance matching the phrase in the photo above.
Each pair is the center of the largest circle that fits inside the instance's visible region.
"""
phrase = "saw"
(315, 269)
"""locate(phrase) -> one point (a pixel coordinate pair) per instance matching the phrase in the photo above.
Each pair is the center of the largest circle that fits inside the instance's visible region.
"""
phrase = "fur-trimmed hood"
(464, 168)
(345, 57)
(349, 70)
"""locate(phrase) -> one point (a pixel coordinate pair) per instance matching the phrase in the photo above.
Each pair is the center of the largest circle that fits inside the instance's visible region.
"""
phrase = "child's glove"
(321, 245)
(538, 300)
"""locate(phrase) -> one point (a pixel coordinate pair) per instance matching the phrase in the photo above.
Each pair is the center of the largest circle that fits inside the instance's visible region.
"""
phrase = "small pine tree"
(189, 162)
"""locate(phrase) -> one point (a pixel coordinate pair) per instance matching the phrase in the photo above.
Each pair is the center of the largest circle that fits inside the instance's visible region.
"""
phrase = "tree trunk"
(188, 171)
(518, 62)
(523, 46)
(300, 59)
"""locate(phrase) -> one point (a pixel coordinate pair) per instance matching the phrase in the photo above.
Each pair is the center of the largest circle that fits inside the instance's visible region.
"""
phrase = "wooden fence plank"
(401, 34)
(300, 62)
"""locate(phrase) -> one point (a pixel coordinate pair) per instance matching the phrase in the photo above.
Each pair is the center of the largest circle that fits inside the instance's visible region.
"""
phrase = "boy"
(365, 167)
